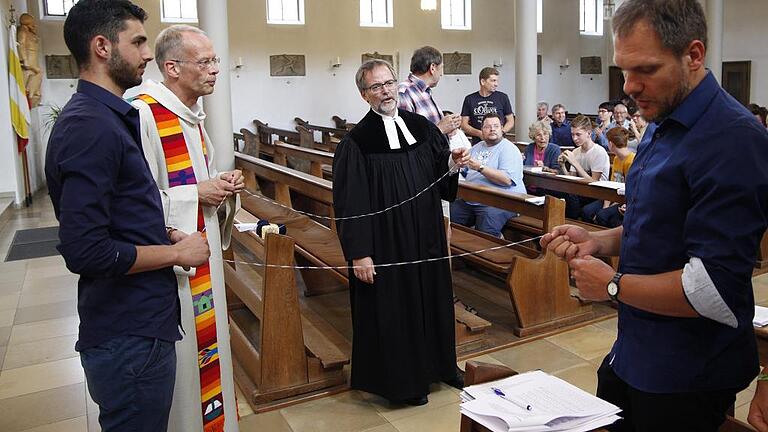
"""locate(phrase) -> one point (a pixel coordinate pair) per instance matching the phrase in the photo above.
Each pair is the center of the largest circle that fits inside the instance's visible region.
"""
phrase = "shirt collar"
(419, 83)
(694, 105)
(390, 125)
(104, 96)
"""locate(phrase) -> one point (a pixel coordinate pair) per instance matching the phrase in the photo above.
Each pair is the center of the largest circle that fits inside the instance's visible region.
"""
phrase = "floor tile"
(741, 412)
(440, 395)
(47, 329)
(41, 408)
(345, 412)
(609, 324)
(745, 396)
(2, 356)
(271, 421)
(52, 294)
(383, 428)
(5, 335)
(90, 405)
(446, 418)
(243, 409)
(12, 276)
(9, 301)
(48, 283)
(39, 377)
(587, 342)
(45, 312)
(77, 424)
(539, 354)
(42, 351)
(93, 423)
(6, 317)
(10, 287)
(583, 376)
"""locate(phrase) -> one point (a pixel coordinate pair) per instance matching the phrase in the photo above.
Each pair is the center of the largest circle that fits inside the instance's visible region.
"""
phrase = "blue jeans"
(131, 378)
(490, 220)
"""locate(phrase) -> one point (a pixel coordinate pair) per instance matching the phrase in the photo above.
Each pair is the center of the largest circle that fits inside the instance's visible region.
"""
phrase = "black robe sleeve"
(449, 186)
(350, 198)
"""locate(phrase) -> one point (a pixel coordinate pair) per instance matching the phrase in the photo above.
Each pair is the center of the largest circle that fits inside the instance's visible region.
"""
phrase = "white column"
(212, 16)
(525, 67)
(714, 60)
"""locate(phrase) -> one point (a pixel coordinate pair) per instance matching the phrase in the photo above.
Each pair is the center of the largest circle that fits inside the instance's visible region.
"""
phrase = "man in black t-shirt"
(483, 102)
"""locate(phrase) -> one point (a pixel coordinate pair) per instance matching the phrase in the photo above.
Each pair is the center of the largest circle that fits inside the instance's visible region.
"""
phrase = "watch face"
(613, 289)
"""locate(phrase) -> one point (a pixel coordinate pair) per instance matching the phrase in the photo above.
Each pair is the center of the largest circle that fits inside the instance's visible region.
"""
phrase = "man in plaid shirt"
(416, 91)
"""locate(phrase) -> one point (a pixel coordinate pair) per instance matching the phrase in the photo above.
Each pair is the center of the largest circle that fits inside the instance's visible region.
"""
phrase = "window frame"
(301, 18)
(598, 18)
(390, 16)
(467, 15)
(165, 19)
(44, 16)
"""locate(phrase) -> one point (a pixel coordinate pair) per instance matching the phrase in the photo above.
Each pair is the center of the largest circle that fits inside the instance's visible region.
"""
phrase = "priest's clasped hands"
(577, 246)
(214, 191)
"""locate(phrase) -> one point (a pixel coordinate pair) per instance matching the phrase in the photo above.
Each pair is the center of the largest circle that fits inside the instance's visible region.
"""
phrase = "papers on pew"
(608, 184)
(565, 176)
(538, 200)
(555, 405)
(761, 317)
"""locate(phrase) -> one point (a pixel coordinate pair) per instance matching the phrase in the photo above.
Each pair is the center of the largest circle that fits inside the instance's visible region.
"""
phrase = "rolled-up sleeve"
(724, 226)
(88, 174)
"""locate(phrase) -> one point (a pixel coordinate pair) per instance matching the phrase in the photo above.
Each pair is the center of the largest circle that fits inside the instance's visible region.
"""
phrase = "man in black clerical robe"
(402, 316)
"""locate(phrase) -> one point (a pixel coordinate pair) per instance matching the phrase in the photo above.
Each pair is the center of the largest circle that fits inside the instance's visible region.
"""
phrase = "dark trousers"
(131, 378)
(695, 411)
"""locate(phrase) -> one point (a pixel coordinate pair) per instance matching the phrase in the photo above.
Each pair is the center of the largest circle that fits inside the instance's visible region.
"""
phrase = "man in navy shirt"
(685, 342)
(111, 224)
(561, 128)
(486, 101)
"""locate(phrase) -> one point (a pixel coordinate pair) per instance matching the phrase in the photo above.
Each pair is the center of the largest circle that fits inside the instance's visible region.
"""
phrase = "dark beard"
(681, 92)
(121, 72)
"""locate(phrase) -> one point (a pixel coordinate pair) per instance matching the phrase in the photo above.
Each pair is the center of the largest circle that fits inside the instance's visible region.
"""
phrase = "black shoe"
(457, 381)
(417, 401)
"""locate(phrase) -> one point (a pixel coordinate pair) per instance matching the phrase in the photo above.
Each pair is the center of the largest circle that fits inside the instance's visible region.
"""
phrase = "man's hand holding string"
(364, 269)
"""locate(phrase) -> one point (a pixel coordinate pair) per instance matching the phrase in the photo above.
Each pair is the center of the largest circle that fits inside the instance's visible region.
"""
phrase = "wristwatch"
(481, 168)
(613, 286)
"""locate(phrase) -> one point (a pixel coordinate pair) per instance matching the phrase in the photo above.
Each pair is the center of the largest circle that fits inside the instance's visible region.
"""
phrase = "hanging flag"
(20, 117)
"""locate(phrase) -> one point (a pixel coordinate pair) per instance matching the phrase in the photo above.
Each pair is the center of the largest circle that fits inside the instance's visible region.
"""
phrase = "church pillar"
(714, 60)
(525, 67)
(212, 16)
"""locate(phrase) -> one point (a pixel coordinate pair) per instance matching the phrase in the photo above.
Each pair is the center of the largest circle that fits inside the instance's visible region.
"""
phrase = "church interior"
(285, 95)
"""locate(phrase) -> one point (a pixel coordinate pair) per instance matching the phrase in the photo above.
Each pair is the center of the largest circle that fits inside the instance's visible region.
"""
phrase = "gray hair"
(542, 104)
(539, 125)
(170, 41)
(369, 66)
(676, 22)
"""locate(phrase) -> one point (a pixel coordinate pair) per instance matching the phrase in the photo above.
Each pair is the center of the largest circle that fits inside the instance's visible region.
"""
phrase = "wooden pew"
(480, 372)
(265, 133)
(537, 282)
(579, 187)
(330, 137)
(342, 123)
(319, 245)
(277, 353)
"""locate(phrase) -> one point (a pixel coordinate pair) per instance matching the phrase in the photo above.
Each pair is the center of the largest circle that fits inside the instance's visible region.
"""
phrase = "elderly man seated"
(495, 162)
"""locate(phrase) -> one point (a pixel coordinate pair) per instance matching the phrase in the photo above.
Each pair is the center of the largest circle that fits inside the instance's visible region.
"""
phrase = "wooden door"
(736, 80)
(615, 83)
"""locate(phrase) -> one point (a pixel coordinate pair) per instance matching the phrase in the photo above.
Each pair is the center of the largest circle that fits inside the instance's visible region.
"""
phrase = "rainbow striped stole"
(180, 172)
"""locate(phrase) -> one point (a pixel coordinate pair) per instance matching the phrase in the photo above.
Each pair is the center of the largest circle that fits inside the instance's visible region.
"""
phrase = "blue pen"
(501, 394)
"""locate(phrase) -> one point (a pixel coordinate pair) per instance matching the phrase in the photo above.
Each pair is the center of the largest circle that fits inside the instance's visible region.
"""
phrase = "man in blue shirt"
(685, 342)
(111, 224)
(561, 128)
(494, 162)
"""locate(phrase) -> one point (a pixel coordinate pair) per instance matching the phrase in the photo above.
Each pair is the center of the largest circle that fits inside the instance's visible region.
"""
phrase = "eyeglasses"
(376, 88)
(602, 111)
(202, 64)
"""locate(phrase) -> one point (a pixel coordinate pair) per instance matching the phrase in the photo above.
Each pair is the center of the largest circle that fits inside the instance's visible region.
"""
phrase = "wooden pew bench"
(329, 137)
(537, 282)
(319, 245)
(278, 354)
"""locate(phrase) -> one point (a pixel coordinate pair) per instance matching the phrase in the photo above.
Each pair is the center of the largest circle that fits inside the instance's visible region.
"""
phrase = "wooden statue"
(29, 43)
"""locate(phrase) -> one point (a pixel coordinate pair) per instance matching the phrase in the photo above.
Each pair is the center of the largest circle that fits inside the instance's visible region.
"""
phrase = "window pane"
(379, 8)
(171, 9)
(290, 10)
(365, 12)
(55, 7)
(275, 9)
(539, 18)
(189, 9)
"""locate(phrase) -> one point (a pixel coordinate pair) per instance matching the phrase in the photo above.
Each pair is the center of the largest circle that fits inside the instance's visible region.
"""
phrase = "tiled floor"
(42, 388)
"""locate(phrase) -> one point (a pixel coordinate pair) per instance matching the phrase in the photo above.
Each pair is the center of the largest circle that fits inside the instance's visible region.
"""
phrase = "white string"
(403, 263)
(349, 217)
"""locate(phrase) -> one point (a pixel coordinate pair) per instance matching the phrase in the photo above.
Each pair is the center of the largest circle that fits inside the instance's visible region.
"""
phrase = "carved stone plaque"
(591, 65)
(287, 65)
(375, 55)
(457, 63)
(61, 67)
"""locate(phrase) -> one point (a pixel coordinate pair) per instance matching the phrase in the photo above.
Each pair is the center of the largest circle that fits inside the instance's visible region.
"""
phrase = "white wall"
(746, 38)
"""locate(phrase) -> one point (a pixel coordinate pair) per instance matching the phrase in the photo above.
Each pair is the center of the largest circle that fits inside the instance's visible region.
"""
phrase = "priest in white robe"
(177, 147)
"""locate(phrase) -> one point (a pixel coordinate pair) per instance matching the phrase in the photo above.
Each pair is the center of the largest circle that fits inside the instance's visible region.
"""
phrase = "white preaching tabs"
(391, 130)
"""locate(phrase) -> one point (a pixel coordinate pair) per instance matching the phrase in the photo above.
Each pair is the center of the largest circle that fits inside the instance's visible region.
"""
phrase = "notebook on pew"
(761, 317)
(535, 401)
